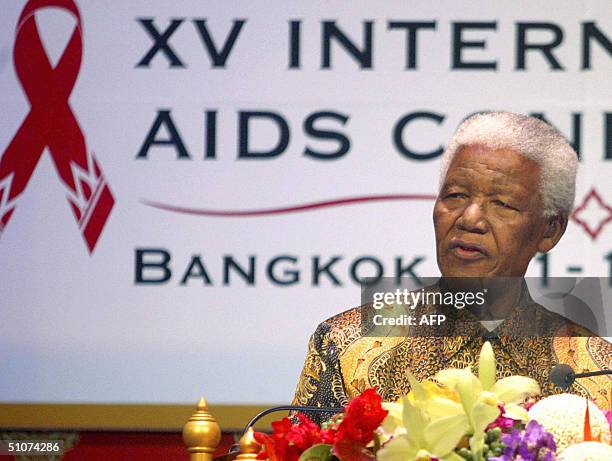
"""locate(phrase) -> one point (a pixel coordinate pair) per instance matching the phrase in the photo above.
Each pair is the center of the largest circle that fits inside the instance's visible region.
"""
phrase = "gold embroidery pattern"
(310, 377)
(342, 361)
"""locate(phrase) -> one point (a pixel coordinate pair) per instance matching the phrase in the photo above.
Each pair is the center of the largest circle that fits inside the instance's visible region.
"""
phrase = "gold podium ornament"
(202, 434)
(248, 447)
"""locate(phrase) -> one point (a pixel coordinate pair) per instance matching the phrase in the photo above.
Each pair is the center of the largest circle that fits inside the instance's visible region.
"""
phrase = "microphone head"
(562, 375)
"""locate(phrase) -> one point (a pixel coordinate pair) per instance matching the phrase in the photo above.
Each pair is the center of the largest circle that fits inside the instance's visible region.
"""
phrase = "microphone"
(562, 375)
(236, 447)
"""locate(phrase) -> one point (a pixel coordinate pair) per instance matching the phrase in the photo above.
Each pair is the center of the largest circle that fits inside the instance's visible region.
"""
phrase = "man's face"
(488, 216)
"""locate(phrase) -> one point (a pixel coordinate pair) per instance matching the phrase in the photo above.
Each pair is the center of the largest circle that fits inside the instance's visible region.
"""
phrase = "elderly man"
(507, 188)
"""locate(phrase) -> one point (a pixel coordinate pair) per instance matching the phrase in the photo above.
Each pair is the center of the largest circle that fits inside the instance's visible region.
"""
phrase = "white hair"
(530, 137)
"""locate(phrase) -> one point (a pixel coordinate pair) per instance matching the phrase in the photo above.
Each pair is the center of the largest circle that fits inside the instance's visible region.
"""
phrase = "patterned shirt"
(343, 359)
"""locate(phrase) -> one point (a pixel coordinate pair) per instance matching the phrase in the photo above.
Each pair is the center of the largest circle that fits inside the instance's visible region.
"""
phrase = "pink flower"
(608, 415)
(503, 422)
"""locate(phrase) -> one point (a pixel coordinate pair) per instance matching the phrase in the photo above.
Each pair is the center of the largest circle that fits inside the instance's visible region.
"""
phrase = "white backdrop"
(77, 326)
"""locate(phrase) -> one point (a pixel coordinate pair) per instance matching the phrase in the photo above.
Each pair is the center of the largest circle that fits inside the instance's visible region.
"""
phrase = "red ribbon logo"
(51, 123)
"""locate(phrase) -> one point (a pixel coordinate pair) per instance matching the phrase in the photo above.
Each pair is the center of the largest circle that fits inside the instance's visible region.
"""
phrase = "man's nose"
(473, 219)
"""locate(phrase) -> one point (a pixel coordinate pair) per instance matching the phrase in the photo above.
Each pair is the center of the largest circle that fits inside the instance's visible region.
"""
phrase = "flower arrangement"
(457, 416)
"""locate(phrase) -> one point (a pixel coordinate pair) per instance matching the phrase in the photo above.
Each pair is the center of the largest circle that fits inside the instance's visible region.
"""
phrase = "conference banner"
(187, 189)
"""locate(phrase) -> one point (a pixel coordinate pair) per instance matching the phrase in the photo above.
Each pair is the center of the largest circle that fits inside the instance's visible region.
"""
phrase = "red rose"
(328, 436)
(288, 441)
(305, 434)
(361, 418)
(356, 430)
(349, 438)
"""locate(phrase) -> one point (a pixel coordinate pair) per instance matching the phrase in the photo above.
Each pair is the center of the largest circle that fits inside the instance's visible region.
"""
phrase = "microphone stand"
(563, 375)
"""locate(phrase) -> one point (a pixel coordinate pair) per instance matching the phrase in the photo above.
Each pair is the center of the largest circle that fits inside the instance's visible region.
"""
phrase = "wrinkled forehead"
(478, 166)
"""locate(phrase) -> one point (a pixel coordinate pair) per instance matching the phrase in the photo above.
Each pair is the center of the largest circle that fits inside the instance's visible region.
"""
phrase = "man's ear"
(555, 228)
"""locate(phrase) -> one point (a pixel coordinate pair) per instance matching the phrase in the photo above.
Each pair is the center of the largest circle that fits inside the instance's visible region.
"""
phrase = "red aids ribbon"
(51, 123)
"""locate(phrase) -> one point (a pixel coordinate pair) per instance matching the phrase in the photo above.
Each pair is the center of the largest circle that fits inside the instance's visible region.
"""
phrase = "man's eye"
(455, 195)
(504, 204)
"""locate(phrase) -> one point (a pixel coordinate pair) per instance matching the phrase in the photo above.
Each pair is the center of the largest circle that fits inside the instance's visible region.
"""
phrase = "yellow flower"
(510, 391)
(480, 396)
(419, 441)
(433, 418)
(433, 389)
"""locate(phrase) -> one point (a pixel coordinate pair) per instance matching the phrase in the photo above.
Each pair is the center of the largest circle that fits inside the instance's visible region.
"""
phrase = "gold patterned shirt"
(343, 359)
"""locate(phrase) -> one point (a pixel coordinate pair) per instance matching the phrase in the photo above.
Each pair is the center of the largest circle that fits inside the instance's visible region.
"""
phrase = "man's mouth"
(467, 250)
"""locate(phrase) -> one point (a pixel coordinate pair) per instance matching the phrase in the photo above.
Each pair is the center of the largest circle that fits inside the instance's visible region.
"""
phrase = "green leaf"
(320, 452)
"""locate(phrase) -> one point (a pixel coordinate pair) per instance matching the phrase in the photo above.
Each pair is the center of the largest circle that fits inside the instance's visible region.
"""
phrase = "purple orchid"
(534, 444)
